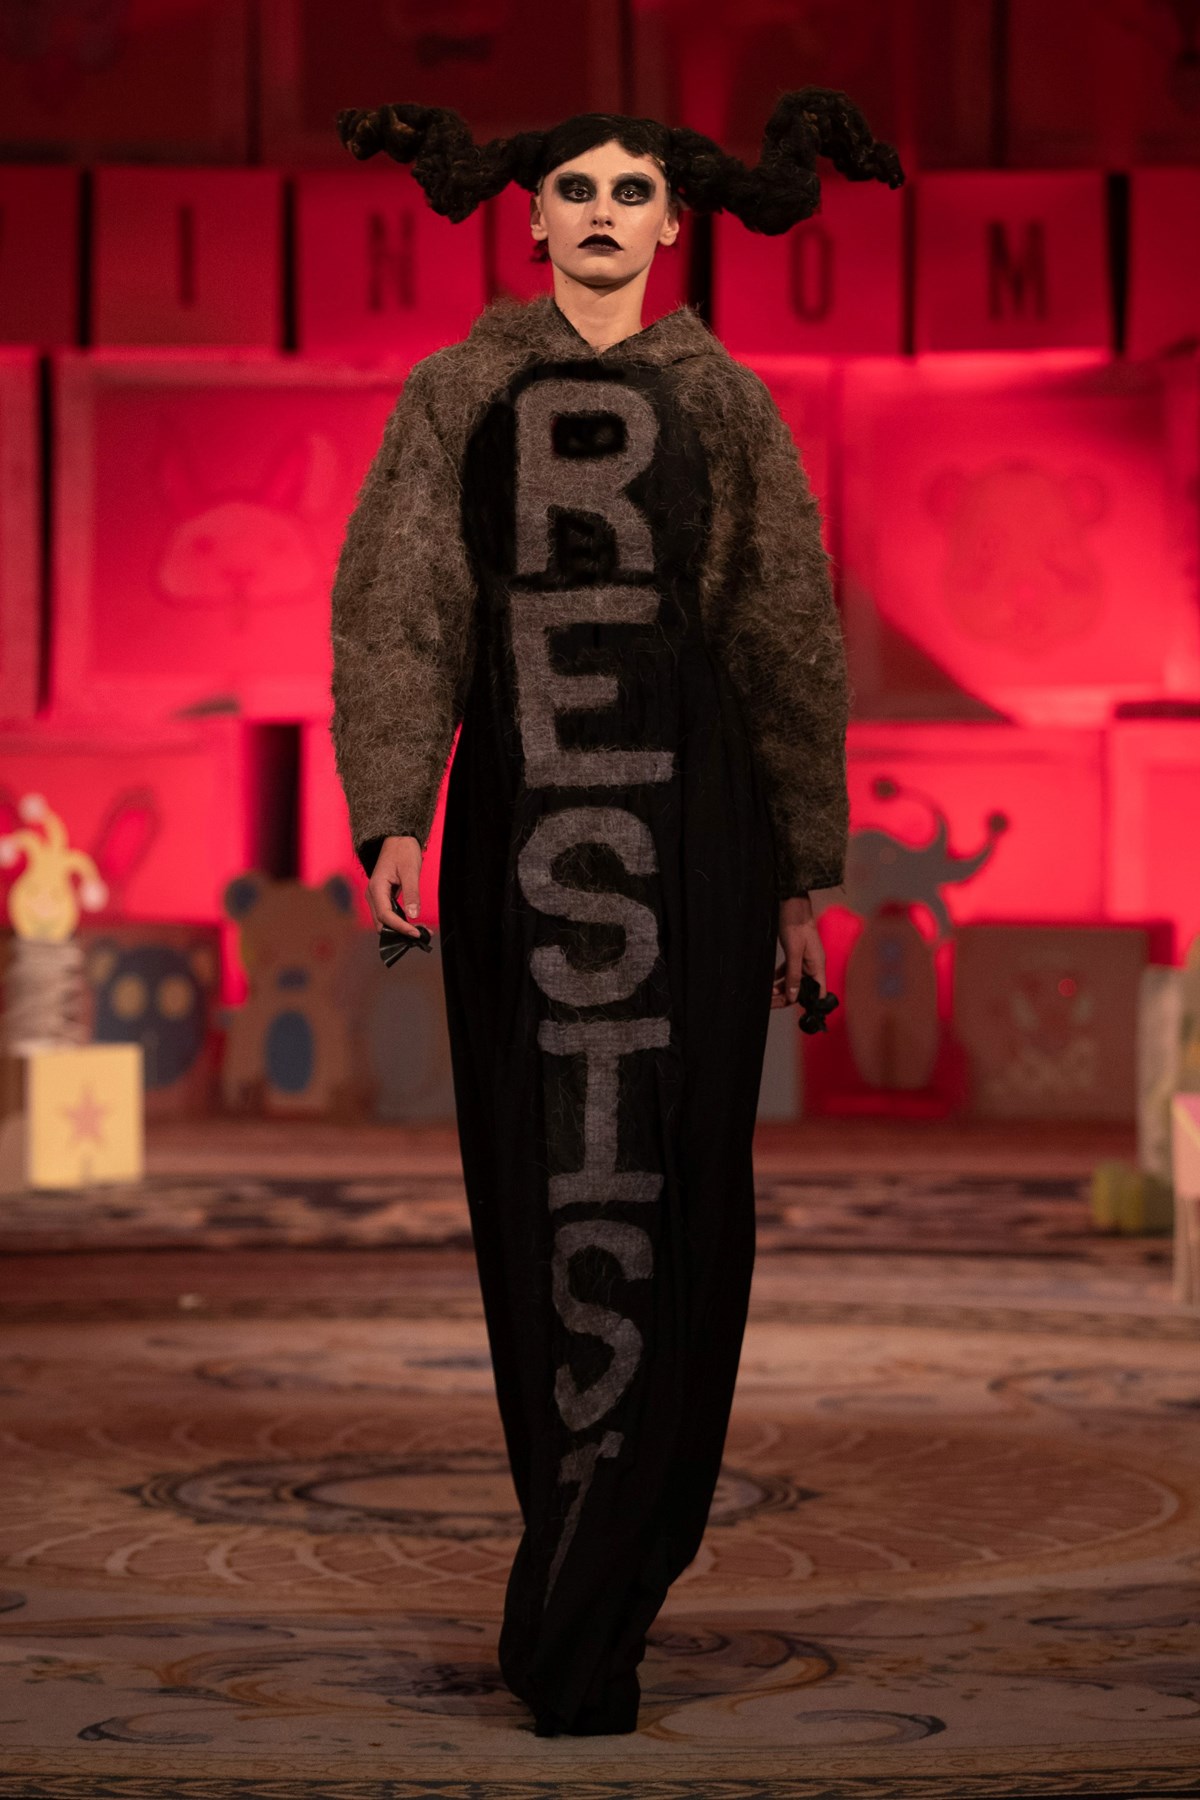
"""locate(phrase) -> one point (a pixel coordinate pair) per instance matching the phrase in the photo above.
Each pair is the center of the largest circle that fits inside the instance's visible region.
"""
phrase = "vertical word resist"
(551, 481)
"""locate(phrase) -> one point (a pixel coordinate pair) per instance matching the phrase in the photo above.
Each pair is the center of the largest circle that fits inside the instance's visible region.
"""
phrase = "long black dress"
(608, 916)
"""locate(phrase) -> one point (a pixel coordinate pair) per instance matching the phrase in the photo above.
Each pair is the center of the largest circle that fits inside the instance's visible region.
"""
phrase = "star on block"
(83, 1116)
(86, 1115)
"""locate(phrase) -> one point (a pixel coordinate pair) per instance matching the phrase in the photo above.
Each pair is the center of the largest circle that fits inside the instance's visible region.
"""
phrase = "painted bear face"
(155, 995)
(293, 938)
(1019, 570)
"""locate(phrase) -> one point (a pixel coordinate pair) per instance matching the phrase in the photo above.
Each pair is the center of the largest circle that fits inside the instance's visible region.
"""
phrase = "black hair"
(457, 174)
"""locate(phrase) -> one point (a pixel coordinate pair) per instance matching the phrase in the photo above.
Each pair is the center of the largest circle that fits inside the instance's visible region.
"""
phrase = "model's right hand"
(398, 865)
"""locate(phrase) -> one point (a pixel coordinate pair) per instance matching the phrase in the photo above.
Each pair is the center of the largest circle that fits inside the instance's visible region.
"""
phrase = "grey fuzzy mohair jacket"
(404, 594)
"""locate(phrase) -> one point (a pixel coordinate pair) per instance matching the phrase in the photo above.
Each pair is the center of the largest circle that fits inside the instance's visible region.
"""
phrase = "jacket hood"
(541, 328)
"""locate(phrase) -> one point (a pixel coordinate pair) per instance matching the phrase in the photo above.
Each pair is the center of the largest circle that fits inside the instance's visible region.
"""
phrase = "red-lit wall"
(992, 377)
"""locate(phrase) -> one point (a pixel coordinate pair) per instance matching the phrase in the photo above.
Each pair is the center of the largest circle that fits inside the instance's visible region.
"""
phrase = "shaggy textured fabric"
(404, 595)
(608, 566)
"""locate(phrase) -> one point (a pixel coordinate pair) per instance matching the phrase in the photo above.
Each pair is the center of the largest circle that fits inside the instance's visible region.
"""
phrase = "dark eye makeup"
(582, 187)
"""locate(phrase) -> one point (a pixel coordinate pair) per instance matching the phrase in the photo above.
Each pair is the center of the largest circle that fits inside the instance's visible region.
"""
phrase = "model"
(594, 545)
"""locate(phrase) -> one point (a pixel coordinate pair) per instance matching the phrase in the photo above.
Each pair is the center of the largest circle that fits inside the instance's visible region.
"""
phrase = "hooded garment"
(607, 565)
(402, 664)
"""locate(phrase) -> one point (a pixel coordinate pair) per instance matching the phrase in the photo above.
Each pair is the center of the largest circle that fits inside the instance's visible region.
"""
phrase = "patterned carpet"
(253, 1539)
(895, 1214)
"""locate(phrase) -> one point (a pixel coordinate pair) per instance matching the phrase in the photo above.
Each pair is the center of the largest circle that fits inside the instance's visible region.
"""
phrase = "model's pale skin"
(603, 192)
(606, 192)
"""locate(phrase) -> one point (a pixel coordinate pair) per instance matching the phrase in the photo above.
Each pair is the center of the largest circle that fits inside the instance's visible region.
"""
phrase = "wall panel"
(1028, 531)
(201, 502)
(20, 533)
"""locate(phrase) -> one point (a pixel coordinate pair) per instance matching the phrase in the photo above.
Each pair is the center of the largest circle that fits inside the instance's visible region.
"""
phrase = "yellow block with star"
(75, 1115)
(1185, 1120)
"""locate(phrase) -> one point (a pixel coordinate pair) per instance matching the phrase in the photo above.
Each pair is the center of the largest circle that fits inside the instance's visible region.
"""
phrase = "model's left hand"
(802, 948)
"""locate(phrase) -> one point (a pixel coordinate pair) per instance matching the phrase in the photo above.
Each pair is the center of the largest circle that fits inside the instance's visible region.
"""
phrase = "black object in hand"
(393, 943)
(814, 1006)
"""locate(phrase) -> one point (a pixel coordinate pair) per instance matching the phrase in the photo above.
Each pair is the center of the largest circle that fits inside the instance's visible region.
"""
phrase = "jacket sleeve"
(785, 650)
(402, 625)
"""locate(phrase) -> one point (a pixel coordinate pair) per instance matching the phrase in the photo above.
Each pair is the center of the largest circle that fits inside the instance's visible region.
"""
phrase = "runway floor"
(256, 1517)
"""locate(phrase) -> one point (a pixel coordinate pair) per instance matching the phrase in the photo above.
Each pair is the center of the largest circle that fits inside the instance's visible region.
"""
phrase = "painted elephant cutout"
(883, 870)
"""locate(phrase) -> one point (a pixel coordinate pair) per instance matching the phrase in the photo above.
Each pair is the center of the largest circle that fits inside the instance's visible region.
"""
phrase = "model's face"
(608, 195)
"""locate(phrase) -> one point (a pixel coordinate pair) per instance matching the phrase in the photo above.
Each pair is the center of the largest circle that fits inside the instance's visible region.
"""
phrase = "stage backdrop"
(161, 811)
(1012, 262)
(1027, 532)
(143, 79)
(1153, 863)
(201, 502)
(20, 557)
(187, 256)
(505, 67)
(39, 255)
(831, 286)
(977, 821)
(378, 272)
